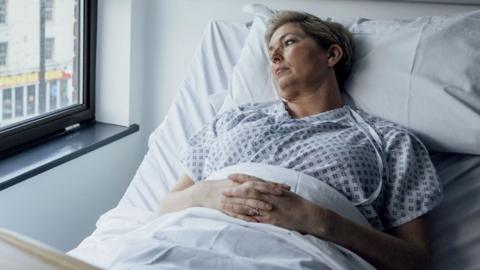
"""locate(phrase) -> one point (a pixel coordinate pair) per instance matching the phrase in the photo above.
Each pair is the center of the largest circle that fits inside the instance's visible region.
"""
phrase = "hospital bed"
(229, 59)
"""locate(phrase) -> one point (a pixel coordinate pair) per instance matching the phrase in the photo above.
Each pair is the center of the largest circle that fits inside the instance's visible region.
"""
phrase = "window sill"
(23, 165)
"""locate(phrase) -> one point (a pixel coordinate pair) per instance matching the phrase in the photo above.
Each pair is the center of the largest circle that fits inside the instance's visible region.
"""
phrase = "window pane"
(38, 52)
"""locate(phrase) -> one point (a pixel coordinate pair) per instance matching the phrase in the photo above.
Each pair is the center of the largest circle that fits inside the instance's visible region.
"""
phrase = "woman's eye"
(289, 42)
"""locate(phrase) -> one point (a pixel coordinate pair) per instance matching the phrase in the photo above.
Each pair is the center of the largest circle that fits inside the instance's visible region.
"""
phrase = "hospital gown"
(329, 146)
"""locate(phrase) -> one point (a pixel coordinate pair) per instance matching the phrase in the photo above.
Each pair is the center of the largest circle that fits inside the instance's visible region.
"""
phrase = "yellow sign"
(30, 78)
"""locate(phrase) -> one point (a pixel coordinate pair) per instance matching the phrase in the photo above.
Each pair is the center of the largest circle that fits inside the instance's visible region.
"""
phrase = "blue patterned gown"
(328, 146)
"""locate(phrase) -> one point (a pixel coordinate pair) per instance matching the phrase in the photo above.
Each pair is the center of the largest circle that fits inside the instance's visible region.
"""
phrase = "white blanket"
(203, 238)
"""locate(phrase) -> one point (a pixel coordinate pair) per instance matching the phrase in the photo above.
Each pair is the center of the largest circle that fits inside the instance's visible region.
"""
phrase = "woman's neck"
(323, 99)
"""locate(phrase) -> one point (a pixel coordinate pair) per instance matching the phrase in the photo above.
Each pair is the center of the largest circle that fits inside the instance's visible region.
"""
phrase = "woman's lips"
(280, 70)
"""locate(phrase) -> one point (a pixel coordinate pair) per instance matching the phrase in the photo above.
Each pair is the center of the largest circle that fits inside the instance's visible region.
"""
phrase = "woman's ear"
(334, 55)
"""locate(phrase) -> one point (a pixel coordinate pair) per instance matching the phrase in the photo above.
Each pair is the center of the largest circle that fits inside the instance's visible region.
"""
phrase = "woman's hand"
(288, 210)
(256, 195)
(209, 194)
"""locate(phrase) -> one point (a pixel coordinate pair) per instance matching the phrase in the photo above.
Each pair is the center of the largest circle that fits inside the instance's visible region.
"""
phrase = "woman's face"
(299, 64)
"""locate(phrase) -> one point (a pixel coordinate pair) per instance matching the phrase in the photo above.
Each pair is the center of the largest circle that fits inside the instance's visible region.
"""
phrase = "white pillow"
(251, 80)
(422, 74)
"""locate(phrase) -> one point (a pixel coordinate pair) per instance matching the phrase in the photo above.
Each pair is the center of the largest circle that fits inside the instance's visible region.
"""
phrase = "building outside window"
(49, 48)
(64, 94)
(48, 11)
(3, 53)
(53, 91)
(3, 11)
(34, 87)
(31, 100)
(18, 101)
(7, 103)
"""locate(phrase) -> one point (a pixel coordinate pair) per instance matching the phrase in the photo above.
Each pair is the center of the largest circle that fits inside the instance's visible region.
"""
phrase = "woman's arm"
(180, 197)
(406, 248)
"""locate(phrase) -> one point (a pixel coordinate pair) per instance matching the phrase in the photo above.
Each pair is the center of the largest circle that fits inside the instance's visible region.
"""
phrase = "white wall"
(60, 206)
(120, 61)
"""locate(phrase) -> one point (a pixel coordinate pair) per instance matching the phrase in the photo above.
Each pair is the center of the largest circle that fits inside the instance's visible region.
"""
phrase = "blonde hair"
(325, 33)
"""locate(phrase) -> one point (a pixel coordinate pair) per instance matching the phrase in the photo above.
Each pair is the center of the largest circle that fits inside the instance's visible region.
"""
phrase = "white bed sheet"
(454, 223)
(202, 238)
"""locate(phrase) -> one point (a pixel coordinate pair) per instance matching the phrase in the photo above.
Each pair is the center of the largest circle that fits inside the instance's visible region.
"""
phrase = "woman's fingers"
(249, 191)
(243, 210)
(246, 204)
(254, 190)
(243, 217)
(267, 187)
(242, 178)
(259, 184)
(249, 215)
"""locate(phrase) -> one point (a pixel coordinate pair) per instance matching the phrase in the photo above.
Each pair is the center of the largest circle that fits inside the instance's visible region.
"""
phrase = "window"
(3, 53)
(3, 11)
(38, 97)
(48, 10)
(49, 47)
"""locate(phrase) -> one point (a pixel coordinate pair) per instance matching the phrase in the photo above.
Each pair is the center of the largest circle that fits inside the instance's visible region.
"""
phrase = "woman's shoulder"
(381, 124)
(397, 138)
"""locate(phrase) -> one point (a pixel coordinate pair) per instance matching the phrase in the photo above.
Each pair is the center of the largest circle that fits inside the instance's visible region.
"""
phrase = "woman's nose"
(277, 56)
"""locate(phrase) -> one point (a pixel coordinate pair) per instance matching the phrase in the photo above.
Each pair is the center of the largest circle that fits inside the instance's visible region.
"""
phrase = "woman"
(388, 176)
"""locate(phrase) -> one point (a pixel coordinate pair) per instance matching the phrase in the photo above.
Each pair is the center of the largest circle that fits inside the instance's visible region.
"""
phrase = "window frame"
(49, 125)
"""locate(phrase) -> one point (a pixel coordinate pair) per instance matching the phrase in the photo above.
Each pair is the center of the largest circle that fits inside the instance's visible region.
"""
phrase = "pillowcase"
(251, 79)
(421, 74)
